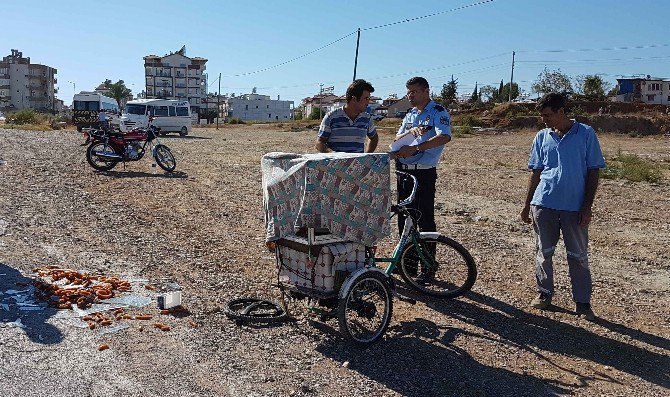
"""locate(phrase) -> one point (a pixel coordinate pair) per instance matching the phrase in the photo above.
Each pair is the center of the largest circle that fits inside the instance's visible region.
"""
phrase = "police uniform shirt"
(434, 115)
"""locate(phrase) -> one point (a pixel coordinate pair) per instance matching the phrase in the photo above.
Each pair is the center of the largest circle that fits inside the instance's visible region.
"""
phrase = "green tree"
(505, 92)
(552, 81)
(614, 91)
(317, 114)
(498, 99)
(449, 91)
(489, 93)
(475, 95)
(592, 87)
(119, 91)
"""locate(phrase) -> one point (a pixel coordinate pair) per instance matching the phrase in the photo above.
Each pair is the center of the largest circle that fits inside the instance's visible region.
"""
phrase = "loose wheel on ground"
(164, 158)
(450, 271)
(254, 311)
(365, 311)
(97, 161)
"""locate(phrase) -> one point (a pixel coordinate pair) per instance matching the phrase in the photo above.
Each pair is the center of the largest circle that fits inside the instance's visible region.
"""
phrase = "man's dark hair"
(357, 87)
(420, 81)
(554, 101)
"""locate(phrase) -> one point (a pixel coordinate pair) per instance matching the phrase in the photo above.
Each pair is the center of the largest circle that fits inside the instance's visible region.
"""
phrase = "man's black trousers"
(424, 202)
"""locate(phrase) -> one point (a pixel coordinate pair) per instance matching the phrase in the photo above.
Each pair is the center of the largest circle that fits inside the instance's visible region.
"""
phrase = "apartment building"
(27, 86)
(176, 76)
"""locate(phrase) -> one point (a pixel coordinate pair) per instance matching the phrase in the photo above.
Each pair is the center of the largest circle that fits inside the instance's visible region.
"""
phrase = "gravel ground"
(202, 227)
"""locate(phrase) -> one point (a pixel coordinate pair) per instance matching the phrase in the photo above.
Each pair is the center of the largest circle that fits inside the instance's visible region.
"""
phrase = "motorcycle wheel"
(164, 158)
(98, 162)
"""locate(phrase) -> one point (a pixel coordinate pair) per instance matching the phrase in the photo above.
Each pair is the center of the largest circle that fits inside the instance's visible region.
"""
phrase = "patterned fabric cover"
(347, 193)
(321, 274)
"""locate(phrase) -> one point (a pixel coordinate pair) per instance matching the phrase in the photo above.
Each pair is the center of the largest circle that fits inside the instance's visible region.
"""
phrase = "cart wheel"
(252, 310)
(364, 310)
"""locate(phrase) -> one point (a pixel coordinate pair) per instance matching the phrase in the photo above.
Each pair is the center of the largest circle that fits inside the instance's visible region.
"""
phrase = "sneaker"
(542, 301)
(584, 311)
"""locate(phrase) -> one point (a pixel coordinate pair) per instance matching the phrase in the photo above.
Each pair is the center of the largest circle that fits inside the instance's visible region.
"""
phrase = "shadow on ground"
(421, 358)
(16, 297)
(141, 174)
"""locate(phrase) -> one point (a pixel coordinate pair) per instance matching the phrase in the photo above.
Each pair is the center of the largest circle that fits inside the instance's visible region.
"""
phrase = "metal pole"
(358, 40)
(218, 106)
(320, 99)
(511, 80)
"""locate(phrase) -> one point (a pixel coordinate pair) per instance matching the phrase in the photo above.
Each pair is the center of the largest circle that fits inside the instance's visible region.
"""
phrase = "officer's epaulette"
(439, 108)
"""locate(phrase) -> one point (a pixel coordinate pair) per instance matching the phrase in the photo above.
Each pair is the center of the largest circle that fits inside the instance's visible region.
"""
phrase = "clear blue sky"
(89, 42)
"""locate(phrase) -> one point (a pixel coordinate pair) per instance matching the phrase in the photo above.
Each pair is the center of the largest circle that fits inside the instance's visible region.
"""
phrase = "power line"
(429, 15)
(596, 60)
(291, 60)
(356, 31)
(619, 48)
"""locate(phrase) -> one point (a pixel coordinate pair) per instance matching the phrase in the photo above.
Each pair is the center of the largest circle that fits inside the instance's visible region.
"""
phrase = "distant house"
(256, 107)
(397, 107)
(653, 90)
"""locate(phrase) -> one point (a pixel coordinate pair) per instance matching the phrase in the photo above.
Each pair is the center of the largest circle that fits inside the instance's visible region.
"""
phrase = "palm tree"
(120, 92)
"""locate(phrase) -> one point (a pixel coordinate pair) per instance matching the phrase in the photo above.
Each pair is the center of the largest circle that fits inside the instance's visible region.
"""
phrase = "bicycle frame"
(409, 233)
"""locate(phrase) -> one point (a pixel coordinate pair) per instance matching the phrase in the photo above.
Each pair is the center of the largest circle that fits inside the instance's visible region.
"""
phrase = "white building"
(255, 107)
(176, 76)
(24, 85)
(654, 90)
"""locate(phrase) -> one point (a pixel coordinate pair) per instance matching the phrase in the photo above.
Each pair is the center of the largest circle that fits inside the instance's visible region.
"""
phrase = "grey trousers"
(548, 225)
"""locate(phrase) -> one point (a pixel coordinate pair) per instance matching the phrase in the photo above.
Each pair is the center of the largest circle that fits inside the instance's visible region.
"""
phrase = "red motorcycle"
(108, 148)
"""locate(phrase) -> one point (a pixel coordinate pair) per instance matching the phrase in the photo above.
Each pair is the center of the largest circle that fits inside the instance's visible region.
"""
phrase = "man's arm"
(372, 143)
(533, 181)
(437, 140)
(321, 145)
(592, 178)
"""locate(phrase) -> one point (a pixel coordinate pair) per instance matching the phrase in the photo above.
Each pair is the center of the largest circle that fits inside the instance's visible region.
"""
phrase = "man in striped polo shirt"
(345, 129)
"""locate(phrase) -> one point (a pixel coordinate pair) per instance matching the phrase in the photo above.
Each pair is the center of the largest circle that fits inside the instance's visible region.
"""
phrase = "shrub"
(470, 120)
(25, 116)
(632, 168)
(236, 120)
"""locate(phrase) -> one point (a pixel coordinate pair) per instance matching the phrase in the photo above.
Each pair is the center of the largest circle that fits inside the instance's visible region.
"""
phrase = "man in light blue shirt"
(565, 160)
(430, 124)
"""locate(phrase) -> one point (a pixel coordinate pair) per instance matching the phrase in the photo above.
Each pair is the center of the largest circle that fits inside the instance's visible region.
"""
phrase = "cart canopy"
(347, 193)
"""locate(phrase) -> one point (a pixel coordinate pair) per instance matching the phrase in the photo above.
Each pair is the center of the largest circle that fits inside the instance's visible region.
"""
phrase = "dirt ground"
(203, 227)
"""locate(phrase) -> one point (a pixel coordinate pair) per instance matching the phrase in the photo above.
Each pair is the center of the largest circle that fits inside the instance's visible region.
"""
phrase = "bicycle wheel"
(254, 310)
(448, 272)
(364, 312)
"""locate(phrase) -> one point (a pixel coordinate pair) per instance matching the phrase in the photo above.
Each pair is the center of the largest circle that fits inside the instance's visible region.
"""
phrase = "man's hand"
(525, 214)
(420, 130)
(585, 215)
(406, 151)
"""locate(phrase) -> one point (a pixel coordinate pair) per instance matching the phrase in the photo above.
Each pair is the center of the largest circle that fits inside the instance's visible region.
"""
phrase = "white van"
(169, 115)
(87, 106)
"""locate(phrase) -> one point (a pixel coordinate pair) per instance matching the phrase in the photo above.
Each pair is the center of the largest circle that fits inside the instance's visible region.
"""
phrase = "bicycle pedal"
(404, 298)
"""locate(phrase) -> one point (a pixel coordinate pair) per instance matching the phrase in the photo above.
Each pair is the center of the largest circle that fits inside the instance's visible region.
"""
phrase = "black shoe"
(584, 311)
(542, 301)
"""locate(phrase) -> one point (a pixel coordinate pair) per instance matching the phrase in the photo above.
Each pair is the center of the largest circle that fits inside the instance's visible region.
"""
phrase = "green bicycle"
(428, 262)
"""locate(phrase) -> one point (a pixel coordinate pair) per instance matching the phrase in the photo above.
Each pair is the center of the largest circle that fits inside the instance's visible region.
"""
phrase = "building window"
(654, 87)
(651, 97)
(246, 107)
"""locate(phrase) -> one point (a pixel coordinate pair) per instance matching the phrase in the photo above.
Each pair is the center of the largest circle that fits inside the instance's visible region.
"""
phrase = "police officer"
(430, 124)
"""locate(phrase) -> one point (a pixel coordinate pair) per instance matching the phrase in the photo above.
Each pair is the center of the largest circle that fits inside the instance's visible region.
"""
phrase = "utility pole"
(358, 40)
(218, 105)
(511, 80)
(320, 98)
